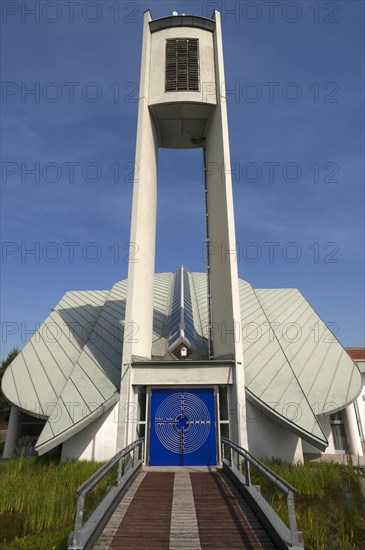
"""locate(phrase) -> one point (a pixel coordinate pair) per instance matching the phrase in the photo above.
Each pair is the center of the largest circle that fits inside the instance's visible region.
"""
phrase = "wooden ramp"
(183, 508)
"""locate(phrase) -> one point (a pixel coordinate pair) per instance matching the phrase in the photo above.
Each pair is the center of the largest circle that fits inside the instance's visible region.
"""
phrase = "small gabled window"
(182, 65)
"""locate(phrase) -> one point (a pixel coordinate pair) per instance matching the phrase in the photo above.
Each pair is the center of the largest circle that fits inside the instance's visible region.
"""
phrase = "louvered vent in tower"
(182, 65)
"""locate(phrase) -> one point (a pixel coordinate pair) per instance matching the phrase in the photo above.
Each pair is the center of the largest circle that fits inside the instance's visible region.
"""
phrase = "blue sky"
(296, 119)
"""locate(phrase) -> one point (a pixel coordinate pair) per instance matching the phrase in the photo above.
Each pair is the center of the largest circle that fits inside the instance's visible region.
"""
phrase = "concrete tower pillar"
(12, 433)
(352, 431)
(226, 316)
(141, 267)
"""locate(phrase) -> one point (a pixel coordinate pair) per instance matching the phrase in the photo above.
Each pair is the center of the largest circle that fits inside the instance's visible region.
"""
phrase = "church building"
(182, 358)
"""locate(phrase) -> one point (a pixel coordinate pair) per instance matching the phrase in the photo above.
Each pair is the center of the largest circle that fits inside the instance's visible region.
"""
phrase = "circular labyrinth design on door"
(182, 423)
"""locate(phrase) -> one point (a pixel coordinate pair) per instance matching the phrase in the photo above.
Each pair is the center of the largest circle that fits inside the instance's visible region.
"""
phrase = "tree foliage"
(5, 406)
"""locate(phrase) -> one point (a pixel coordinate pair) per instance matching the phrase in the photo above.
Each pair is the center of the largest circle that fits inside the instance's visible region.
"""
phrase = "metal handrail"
(93, 480)
(105, 468)
(279, 481)
(283, 486)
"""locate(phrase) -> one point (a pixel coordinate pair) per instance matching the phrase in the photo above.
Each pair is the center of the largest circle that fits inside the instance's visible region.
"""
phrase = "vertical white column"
(12, 433)
(139, 305)
(352, 431)
(226, 315)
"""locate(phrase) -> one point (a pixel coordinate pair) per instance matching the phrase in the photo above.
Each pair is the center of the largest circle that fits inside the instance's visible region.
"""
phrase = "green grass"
(38, 500)
(329, 503)
(45, 541)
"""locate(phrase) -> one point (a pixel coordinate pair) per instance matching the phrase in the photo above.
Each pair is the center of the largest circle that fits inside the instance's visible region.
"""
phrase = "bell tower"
(182, 104)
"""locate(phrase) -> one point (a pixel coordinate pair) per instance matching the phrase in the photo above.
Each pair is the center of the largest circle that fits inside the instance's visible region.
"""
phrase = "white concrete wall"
(96, 442)
(351, 431)
(268, 439)
(182, 374)
(361, 398)
(324, 422)
(157, 93)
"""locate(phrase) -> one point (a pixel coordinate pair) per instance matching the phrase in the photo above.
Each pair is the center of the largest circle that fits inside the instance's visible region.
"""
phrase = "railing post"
(119, 475)
(292, 519)
(127, 461)
(287, 489)
(123, 461)
(238, 461)
(222, 451)
(76, 541)
(247, 472)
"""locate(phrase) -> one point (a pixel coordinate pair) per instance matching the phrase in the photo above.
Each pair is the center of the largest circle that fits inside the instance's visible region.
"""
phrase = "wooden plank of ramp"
(250, 515)
(147, 521)
(184, 532)
(106, 537)
(221, 522)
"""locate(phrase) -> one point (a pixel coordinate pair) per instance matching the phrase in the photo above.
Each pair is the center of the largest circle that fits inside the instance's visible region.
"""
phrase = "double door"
(182, 427)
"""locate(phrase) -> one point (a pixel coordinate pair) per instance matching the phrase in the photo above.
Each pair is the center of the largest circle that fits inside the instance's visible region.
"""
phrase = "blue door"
(182, 431)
